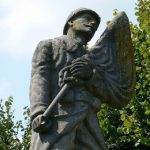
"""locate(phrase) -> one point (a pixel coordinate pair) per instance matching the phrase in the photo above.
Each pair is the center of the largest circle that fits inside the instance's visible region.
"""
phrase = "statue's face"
(84, 24)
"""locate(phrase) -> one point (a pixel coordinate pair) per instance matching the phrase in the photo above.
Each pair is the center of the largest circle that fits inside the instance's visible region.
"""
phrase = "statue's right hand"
(41, 124)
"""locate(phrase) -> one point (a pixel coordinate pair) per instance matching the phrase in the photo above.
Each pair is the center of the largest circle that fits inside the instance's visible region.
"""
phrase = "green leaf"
(138, 68)
(147, 112)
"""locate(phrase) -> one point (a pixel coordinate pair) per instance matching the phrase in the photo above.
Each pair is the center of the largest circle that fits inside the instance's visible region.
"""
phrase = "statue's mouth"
(90, 26)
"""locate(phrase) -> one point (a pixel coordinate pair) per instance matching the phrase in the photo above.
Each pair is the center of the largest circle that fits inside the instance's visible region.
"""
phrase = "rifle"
(45, 123)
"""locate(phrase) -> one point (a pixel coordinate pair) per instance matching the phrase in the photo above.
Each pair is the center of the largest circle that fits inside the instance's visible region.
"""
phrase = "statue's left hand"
(81, 69)
(77, 73)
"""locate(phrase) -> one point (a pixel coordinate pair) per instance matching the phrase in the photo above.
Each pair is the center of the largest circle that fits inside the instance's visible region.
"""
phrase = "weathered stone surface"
(84, 79)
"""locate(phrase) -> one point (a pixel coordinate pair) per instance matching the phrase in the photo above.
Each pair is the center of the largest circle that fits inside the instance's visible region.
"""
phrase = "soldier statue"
(69, 82)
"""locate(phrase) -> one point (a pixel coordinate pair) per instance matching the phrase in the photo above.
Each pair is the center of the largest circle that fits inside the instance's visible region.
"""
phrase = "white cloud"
(19, 26)
(25, 14)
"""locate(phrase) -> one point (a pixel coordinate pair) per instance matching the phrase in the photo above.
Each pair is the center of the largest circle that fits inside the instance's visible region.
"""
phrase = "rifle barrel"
(58, 97)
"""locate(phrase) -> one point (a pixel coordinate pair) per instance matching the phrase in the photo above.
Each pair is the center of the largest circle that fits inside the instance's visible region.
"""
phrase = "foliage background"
(124, 129)
(129, 128)
(10, 130)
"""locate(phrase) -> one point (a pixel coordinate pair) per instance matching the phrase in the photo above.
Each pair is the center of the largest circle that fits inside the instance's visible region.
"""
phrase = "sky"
(23, 23)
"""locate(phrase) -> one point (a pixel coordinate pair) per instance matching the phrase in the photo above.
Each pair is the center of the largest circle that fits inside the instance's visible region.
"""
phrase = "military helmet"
(76, 13)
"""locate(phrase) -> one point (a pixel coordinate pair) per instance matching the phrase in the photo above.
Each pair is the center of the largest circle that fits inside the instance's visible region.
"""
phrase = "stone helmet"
(78, 12)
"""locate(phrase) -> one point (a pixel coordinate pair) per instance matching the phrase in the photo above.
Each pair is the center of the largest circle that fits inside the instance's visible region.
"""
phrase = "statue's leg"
(66, 126)
(84, 140)
(66, 142)
(88, 134)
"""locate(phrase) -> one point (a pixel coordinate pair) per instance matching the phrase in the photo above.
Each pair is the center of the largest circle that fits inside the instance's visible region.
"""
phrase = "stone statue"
(69, 83)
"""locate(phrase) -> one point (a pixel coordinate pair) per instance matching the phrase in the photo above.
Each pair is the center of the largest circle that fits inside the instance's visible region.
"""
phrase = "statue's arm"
(40, 90)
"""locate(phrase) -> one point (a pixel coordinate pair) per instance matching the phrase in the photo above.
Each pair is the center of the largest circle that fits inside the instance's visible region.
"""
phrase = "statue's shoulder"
(60, 42)
(45, 43)
(43, 48)
(60, 39)
(50, 42)
(51, 45)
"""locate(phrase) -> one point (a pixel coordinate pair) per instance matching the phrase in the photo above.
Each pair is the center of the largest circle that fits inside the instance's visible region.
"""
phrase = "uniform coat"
(74, 120)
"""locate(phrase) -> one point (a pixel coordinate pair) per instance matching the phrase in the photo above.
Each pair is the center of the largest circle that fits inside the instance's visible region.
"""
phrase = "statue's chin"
(89, 35)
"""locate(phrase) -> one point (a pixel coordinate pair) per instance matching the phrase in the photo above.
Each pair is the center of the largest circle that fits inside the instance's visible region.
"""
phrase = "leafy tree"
(129, 128)
(26, 130)
(10, 130)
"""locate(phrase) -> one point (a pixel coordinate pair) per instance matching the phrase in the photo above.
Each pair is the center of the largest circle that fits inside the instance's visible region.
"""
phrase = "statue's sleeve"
(112, 58)
(40, 86)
